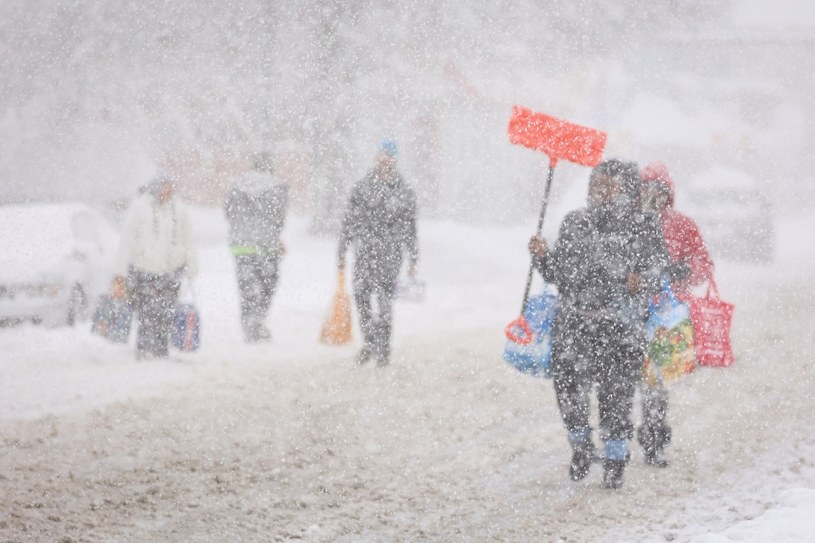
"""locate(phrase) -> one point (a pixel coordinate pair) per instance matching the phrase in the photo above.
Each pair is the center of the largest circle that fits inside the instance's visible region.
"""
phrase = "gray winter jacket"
(380, 221)
(256, 211)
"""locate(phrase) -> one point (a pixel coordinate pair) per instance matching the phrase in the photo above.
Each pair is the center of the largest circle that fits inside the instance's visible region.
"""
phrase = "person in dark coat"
(256, 212)
(691, 266)
(607, 264)
(380, 222)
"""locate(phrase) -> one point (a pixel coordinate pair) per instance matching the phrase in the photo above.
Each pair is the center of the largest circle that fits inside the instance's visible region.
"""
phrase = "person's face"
(386, 162)
(165, 193)
(654, 196)
(603, 189)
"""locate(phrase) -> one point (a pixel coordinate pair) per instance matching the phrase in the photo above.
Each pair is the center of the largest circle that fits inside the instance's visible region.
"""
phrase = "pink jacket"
(682, 237)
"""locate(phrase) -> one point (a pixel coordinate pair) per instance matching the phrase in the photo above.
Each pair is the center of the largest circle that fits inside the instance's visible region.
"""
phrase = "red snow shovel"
(557, 139)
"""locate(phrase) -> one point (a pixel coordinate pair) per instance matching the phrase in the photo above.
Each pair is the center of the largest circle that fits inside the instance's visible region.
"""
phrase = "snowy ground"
(289, 442)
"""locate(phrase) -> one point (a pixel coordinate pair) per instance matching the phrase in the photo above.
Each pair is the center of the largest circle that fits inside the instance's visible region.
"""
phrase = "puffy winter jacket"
(256, 211)
(156, 238)
(597, 249)
(682, 237)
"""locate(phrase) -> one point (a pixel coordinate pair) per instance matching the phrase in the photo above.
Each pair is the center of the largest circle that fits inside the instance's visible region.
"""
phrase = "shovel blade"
(556, 138)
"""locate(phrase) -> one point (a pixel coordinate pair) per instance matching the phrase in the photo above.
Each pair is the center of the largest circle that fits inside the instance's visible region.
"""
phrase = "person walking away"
(256, 212)
(607, 264)
(155, 253)
(380, 222)
(691, 266)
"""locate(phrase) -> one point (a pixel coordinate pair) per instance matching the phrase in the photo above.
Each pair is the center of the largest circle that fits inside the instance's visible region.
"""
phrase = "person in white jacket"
(154, 255)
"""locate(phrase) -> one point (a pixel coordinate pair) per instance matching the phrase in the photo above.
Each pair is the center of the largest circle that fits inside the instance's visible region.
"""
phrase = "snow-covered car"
(55, 259)
(734, 214)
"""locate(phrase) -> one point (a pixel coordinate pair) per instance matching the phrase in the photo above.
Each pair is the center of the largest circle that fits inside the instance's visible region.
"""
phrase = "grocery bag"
(336, 328)
(186, 332)
(112, 318)
(529, 339)
(711, 318)
(670, 352)
(409, 289)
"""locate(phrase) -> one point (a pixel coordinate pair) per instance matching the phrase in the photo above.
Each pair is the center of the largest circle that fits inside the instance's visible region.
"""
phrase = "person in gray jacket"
(607, 264)
(256, 211)
(380, 222)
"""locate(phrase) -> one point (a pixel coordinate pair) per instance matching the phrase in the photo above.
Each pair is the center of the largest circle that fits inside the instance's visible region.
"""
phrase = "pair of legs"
(596, 352)
(654, 434)
(257, 281)
(154, 298)
(375, 322)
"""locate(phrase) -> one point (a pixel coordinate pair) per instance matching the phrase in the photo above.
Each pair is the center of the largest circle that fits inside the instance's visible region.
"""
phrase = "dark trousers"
(599, 351)
(654, 434)
(257, 281)
(154, 298)
(375, 324)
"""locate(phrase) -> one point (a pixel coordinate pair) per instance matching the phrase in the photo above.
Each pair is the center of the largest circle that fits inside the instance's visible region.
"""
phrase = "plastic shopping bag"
(409, 289)
(711, 319)
(186, 332)
(670, 352)
(112, 318)
(336, 328)
(529, 339)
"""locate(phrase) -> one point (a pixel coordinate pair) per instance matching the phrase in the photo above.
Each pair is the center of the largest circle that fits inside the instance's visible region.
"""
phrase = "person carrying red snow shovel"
(607, 264)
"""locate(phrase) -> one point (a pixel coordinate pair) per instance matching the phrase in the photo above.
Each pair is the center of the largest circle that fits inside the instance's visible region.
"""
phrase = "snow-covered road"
(289, 442)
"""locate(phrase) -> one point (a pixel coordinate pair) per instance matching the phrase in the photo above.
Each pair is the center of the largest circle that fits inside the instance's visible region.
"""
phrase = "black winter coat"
(596, 251)
(380, 221)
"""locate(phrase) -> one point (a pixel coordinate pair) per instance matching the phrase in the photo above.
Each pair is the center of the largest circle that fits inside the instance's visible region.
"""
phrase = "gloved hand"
(538, 247)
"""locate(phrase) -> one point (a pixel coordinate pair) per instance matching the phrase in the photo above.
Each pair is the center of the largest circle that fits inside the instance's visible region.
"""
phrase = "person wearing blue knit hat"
(388, 147)
(380, 222)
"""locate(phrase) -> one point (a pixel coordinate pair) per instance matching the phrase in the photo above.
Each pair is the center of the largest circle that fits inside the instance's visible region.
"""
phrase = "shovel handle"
(544, 203)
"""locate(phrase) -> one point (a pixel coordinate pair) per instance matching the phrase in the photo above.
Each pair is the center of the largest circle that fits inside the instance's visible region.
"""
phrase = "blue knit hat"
(388, 147)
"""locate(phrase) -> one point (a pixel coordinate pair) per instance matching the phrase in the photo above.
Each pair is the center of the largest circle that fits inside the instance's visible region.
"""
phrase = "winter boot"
(655, 457)
(613, 473)
(653, 441)
(364, 355)
(255, 331)
(583, 454)
(614, 463)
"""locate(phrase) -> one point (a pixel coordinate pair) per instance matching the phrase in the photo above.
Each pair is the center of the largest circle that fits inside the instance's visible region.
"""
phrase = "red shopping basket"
(711, 318)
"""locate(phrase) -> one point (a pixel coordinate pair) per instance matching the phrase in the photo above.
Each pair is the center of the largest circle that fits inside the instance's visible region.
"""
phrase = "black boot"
(364, 354)
(653, 441)
(613, 473)
(582, 458)
(654, 457)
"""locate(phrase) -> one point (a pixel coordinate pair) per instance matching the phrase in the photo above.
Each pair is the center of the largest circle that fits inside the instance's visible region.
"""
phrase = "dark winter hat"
(609, 167)
(630, 180)
(626, 173)
(388, 147)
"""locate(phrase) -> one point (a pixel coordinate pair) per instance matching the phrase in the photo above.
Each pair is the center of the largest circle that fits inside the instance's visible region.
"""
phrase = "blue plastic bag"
(186, 333)
(112, 319)
(535, 357)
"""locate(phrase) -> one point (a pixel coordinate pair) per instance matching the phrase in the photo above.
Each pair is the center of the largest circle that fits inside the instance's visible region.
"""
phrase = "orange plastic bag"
(337, 326)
